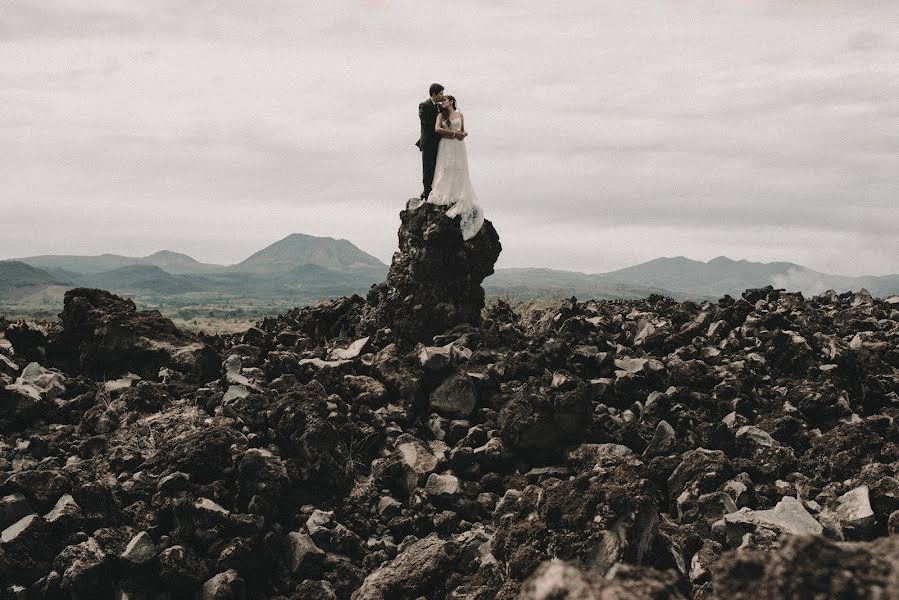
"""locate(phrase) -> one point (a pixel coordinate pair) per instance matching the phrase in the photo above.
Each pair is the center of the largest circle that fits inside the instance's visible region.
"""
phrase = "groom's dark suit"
(427, 143)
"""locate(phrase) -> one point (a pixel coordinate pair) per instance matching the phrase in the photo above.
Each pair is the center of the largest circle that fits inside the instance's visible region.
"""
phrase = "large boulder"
(434, 282)
(810, 567)
(105, 335)
(599, 518)
(557, 580)
(418, 571)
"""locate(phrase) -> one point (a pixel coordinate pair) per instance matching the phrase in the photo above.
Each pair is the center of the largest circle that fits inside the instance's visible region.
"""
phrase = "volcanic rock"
(455, 397)
(788, 516)
(140, 549)
(556, 579)
(634, 441)
(434, 282)
(810, 567)
(103, 334)
(225, 586)
(420, 570)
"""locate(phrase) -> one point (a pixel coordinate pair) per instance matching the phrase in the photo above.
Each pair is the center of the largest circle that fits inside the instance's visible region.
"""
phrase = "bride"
(452, 185)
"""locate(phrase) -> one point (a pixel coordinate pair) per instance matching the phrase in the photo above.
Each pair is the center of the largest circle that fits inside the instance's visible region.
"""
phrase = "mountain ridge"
(301, 269)
(294, 250)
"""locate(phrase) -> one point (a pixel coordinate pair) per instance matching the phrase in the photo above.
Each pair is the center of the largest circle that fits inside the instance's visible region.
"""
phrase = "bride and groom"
(444, 161)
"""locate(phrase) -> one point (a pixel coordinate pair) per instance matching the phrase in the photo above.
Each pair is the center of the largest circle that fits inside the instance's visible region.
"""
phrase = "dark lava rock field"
(416, 444)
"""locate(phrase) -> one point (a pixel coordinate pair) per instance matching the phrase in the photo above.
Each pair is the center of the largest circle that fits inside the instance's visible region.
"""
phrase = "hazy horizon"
(499, 266)
(603, 134)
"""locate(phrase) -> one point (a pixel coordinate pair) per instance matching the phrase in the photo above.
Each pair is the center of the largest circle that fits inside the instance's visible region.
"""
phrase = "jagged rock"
(65, 516)
(319, 523)
(39, 383)
(203, 453)
(455, 397)
(235, 392)
(663, 440)
(27, 398)
(104, 335)
(351, 351)
(314, 590)
(417, 571)
(788, 516)
(415, 460)
(14, 531)
(312, 448)
(367, 390)
(434, 282)
(42, 487)
(558, 580)
(851, 514)
(305, 557)
(84, 568)
(140, 549)
(259, 472)
(537, 420)
(700, 471)
(564, 520)
(702, 562)
(121, 384)
(589, 456)
(436, 358)
(28, 339)
(181, 568)
(225, 586)
(12, 508)
(810, 567)
(446, 487)
(753, 436)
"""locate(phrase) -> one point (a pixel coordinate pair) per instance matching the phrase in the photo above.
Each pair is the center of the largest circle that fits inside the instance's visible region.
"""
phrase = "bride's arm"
(441, 131)
(463, 132)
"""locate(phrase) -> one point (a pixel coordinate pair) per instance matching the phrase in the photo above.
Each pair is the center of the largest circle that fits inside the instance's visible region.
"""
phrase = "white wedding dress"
(452, 185)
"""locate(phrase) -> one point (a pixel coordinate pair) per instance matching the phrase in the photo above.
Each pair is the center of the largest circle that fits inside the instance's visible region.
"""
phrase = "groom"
(429, 140)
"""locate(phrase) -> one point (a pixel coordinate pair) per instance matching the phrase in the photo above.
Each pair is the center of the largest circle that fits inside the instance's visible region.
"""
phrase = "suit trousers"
(428, 164)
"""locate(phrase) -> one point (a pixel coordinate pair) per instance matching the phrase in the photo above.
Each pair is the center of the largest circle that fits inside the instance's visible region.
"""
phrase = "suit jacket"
(427, 114)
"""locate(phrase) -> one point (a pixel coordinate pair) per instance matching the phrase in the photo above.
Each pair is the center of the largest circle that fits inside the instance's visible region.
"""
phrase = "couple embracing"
(444, 161)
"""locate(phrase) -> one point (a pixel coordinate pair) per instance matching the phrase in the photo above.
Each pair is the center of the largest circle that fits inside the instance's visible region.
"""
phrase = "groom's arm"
(422, 114)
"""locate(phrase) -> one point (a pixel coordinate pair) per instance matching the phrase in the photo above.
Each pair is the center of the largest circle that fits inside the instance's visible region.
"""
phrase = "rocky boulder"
(434, 282)
(104, 335)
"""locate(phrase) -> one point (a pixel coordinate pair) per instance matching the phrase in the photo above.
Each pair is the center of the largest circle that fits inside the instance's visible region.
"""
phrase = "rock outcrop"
(105, 335)
(434, 282)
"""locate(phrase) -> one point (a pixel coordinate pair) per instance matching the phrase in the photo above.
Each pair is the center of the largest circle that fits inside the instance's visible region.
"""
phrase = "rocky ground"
(410, 445)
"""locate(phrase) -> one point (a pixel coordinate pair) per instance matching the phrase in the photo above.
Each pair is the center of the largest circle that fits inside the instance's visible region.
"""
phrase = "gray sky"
(602, 133)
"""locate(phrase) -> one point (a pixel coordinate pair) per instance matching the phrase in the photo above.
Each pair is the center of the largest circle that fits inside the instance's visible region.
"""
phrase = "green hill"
(143, 279)
(171, 262)
(18, 280)
(298, 249)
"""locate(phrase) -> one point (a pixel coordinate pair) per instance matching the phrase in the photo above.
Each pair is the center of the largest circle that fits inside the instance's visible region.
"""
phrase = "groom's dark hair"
(435, 88)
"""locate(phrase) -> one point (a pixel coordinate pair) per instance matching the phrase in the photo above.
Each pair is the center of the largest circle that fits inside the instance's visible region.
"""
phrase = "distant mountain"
(179, 264)
(171, 262)
(298, 249)
(64, 276)
(142, 279)
(525, 283)
(18, 279)
(723, 275)
(303, 268)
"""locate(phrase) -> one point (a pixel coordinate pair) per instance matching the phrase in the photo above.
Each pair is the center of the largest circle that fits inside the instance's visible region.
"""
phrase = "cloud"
(214, 127)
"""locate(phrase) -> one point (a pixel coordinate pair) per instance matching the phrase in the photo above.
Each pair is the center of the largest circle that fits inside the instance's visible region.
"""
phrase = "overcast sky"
(603, 134)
